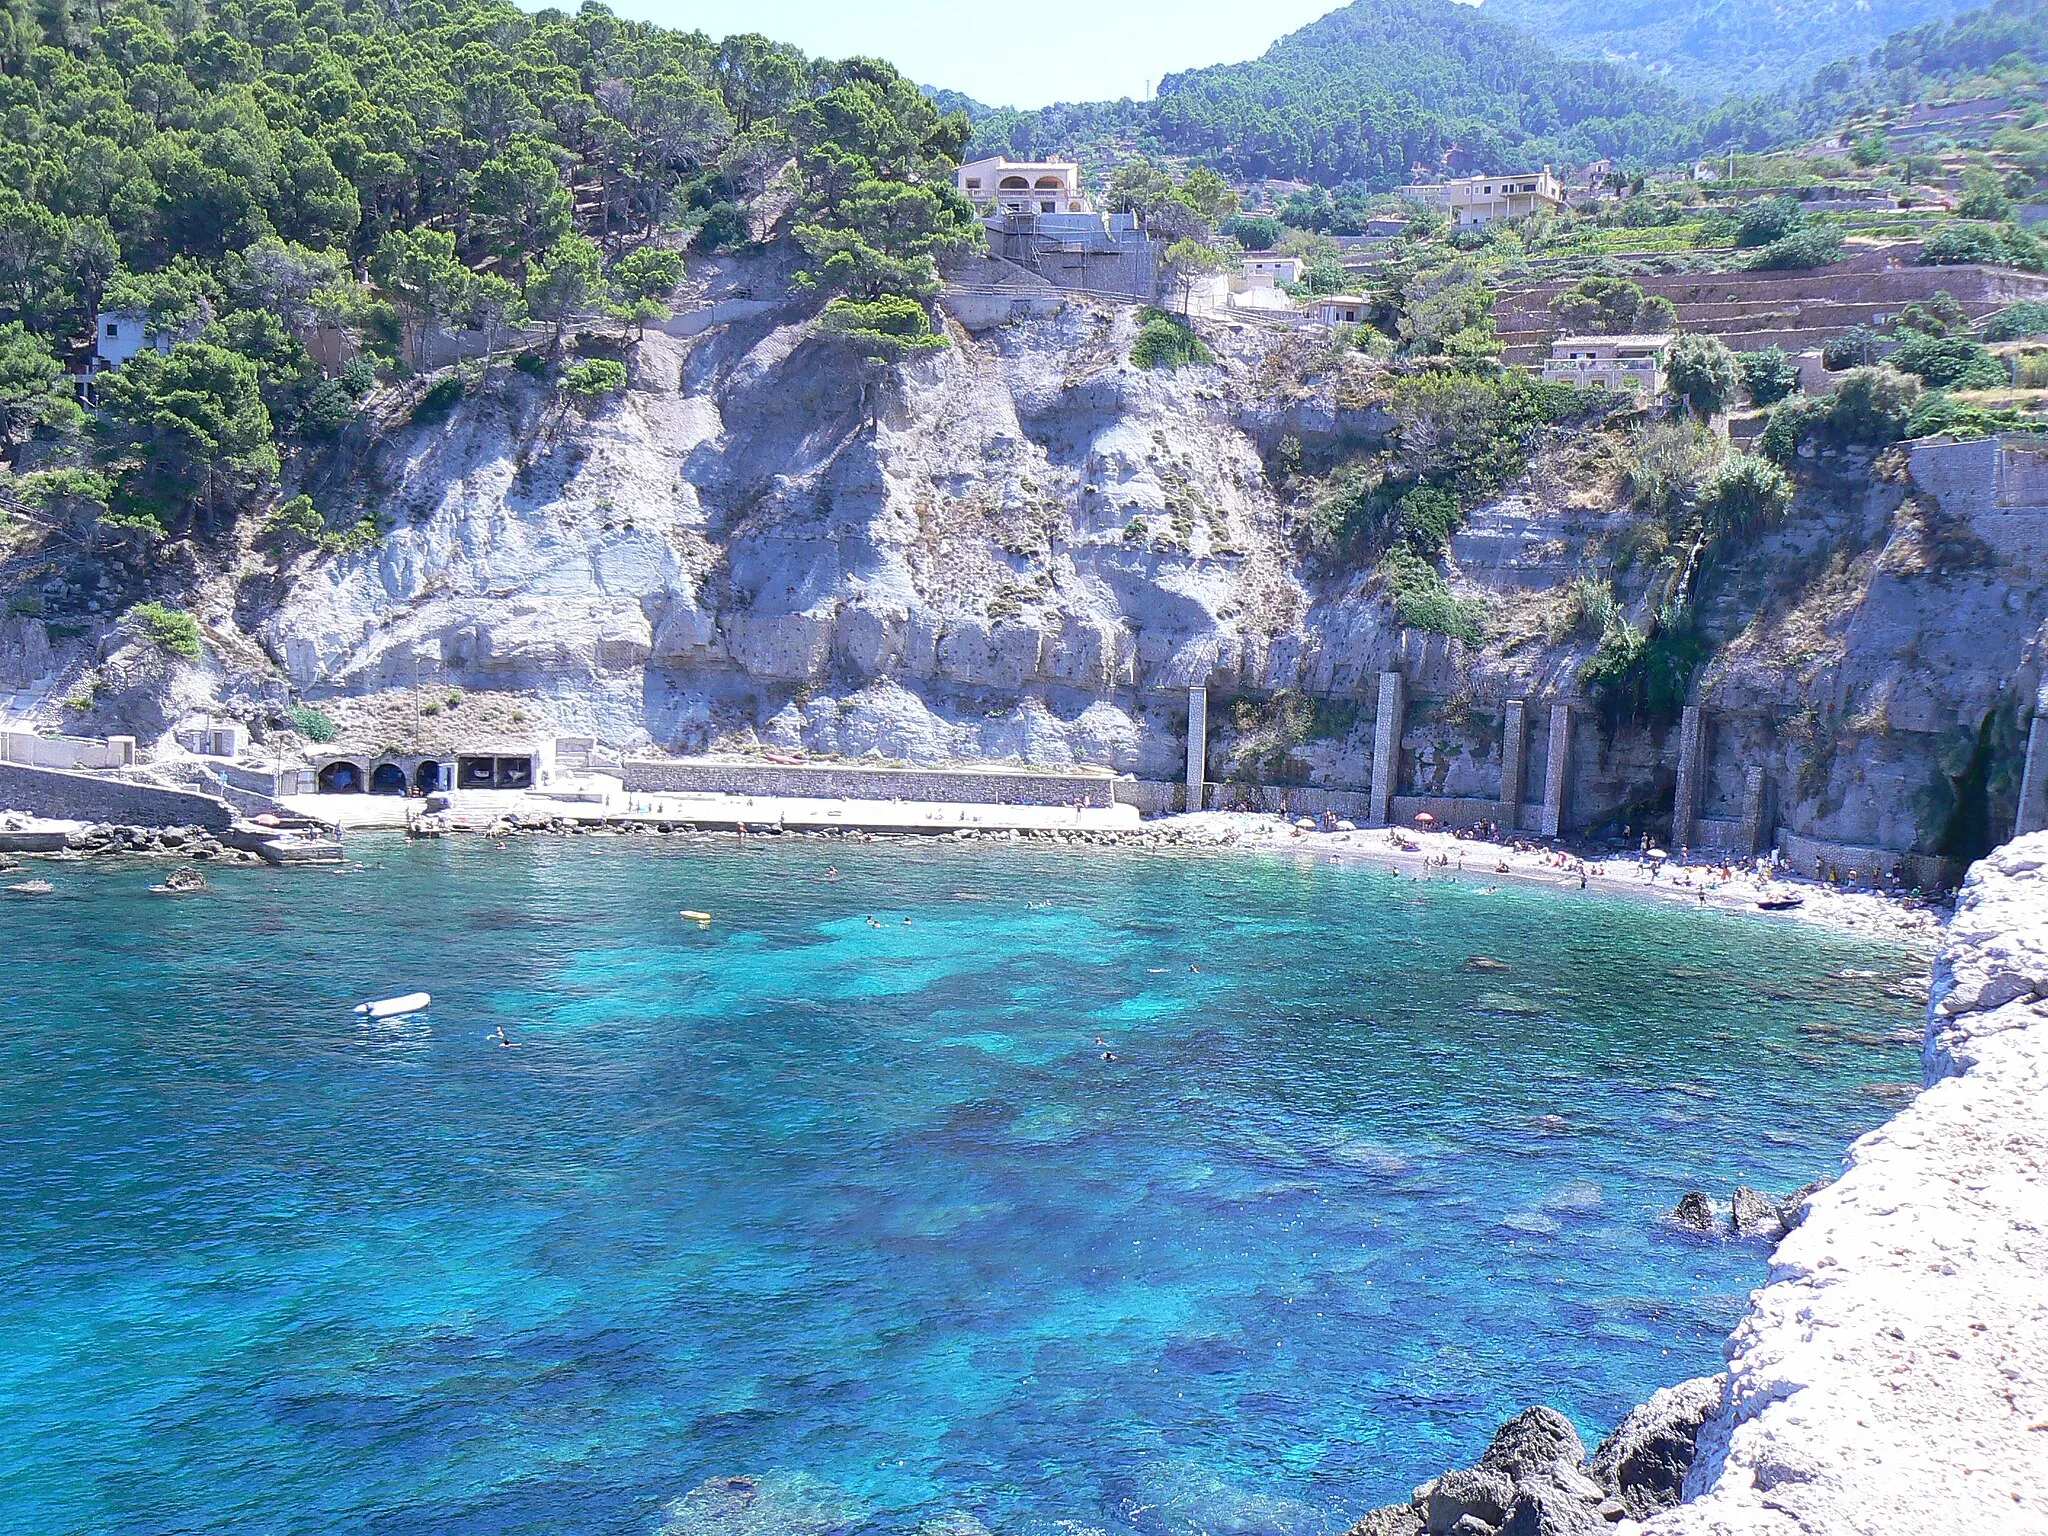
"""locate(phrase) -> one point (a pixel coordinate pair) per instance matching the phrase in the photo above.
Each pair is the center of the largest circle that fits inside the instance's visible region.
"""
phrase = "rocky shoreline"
(1893, 1375)
(1535, 1479)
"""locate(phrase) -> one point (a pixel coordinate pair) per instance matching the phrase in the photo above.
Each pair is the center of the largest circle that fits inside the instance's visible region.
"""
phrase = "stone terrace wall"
(88, 797)
(824, 781)
(1893, 1376)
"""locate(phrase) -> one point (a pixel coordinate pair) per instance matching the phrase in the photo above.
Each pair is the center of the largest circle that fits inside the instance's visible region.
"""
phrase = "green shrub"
(439, 400)
(1957, 244)
(1809, 247)
(1983, 198)
(724, 228)
(1857, 347)
(1939, 412)
(594, 378)
(1167, 341)
(2017, 321)
(1744, 494)
(1641, 676)
(1423, 599)
(1586, 608)
(1871, 406)
(1949, 362)
(168, 629)
(887, 327)
(1767, 376)
(532, 364)
(1767, 221)
(1255, 232)
(1669, 461)
(311, 723)
(1701, 371)
(1471, 432)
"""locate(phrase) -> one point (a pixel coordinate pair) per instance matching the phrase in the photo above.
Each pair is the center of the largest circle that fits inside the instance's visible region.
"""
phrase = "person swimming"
(504, 1042)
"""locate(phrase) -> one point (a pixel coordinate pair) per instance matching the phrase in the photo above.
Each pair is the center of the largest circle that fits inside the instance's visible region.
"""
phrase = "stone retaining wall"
(1893, 1376)
(1871, 866)
(827, 781)
(89, 797)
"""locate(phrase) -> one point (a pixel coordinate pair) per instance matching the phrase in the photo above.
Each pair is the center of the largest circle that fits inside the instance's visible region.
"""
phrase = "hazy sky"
(1012, 55)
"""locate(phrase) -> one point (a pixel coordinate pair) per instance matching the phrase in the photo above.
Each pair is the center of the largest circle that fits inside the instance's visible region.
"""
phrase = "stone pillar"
(1685, 798)
(1514, 747)
(1386, 745)
(1557, 765)
(1198, 743)
(2033, 812)
(1755, 835)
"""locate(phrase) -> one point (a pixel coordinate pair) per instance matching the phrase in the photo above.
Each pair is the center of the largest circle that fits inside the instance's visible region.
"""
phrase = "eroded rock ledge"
(1893, 1375)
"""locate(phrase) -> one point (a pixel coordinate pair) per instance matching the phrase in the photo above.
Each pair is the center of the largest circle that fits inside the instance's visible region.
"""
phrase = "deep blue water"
(858, 1209)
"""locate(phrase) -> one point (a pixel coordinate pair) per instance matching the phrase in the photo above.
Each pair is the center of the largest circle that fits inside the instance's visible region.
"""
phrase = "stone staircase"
(18, 706)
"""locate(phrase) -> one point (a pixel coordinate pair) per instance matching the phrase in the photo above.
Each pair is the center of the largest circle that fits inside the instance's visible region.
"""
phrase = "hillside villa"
(1608, 362)
(1476, 201)
(1023, 186)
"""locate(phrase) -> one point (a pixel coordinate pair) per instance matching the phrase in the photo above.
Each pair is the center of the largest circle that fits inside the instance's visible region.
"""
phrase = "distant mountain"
(1937, 56)
(1716, 48)
(1372, 90)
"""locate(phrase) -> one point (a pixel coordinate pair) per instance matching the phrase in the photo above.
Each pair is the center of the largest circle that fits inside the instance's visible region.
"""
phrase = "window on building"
(113, 329)
(1047, 208)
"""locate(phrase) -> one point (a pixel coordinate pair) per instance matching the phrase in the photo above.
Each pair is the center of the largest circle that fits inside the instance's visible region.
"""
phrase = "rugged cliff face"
(1024, 547)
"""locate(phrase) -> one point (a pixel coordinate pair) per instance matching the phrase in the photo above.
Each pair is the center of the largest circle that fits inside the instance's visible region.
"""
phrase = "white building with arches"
(1023, 186)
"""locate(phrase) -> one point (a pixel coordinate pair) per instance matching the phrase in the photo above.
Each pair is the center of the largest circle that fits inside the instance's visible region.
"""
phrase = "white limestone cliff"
(1892, 1377)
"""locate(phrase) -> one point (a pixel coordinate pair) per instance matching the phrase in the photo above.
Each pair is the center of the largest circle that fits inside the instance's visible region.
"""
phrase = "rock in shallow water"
(1646, 1458)
(1694, 1210)
(1753, 1215)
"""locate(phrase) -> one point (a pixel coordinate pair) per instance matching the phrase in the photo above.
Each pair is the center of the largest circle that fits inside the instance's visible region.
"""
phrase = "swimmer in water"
(503, 1042)
(1196, 969)
(1109, 1055)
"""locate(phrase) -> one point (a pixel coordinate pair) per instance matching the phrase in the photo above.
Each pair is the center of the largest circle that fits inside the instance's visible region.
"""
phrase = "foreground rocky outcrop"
(1893, 1376)
(1535, 1480)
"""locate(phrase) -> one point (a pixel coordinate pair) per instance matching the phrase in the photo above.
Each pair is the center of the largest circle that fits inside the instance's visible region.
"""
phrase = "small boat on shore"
(1780, 903)
(393, 1007)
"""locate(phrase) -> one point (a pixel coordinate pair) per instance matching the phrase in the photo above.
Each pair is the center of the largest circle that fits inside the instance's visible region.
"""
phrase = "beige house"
(1262, 269)
(1023, 186)
(1476, 201)
(1342, 309)
(1609, 362)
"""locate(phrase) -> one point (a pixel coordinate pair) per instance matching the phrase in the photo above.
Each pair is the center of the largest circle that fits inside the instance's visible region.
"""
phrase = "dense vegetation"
(1714, 48)
(1369, 92)
(248, 173)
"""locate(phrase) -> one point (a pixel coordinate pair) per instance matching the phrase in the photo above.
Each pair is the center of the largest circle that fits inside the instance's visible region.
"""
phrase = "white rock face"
(1892, 1379)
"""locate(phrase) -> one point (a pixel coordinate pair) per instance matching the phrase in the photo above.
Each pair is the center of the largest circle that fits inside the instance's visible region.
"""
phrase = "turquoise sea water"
(858, 1209)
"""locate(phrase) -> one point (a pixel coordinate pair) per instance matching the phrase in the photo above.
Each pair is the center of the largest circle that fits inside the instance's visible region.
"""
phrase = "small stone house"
(1343, 309)
(1609, 362)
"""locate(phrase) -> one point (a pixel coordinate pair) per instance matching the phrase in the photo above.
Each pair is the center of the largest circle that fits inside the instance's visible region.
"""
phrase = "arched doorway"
(428, 777)
(387, 779)
(341, 778)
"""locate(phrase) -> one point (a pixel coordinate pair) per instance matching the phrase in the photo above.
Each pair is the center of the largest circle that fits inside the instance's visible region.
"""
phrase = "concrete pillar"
(1386, 745)
(1685, 799)
(1514, 747)
(1198, 743)
(1557, 765)
(2033, 812)
(1755, 835)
